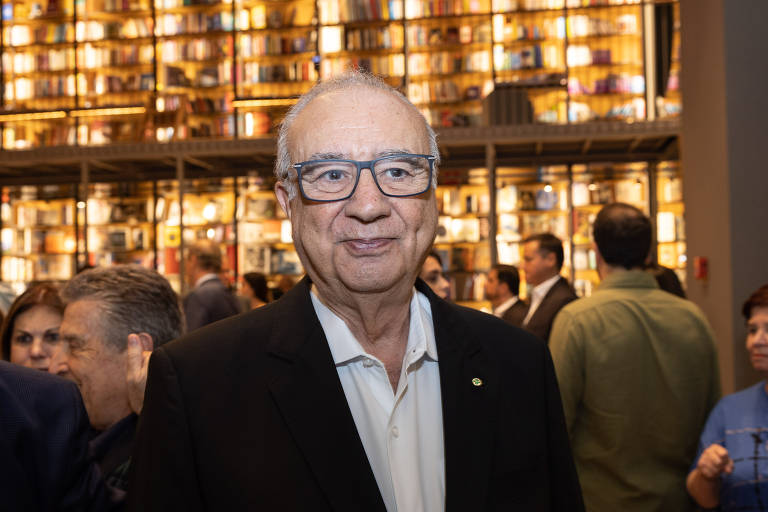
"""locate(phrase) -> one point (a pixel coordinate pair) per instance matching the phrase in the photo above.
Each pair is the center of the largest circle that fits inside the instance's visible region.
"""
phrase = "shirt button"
(395, 432)
(367, 363)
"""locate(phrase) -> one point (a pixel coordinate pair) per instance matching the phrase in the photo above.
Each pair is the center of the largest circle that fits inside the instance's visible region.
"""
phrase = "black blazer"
(249, 414)
(209, 302)
(558, 296)
(44, 463)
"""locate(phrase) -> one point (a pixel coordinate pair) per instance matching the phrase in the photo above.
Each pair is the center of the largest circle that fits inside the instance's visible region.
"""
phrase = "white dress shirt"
(402, 432)
(205, 278)
(504, 306)
(537, 295)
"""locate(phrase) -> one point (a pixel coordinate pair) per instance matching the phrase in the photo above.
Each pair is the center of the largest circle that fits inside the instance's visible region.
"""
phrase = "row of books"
(256, 45)
(53, 214)
(622, 83)
(193, 23)
(54, 268)
(130, 28)
(429, 8)
(195, 50)
(101, 84)
(209, 76)
(419, 35)
(286, 15)
(26, 135)
(27, 88)
(255, 73)
(23, 35)
(442, 91)
(375, 38)
(581, 25)
(102, 211)
(50, 60)
(537, 56)
(449, 62)
(269, 260)
(513, 28)
(93, 57)
(344, 11)
(112, 5)
(385, 65)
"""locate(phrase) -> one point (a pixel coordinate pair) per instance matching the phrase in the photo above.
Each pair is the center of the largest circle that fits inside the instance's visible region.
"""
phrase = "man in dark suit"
(44, 463)
(548, 291)
(111, 312)
(209, 299)
(359, 390)
(502, 287)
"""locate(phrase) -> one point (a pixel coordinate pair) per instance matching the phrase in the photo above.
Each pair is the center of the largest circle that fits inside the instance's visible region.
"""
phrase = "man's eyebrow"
(340, 156)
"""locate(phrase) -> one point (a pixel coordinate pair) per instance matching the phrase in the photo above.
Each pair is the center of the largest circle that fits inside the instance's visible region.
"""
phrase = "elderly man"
(356, 390)
(638, 371)
(209, 300)
(108, 310)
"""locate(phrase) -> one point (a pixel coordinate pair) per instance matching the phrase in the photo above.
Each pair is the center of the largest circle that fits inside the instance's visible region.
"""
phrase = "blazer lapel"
(308, 393)
(469, 407)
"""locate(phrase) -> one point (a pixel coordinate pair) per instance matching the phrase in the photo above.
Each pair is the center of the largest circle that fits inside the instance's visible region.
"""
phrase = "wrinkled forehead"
(358, 123)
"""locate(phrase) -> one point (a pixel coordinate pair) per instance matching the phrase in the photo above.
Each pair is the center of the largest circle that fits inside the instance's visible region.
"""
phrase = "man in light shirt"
(502, 287)
(358, 390)
(548, 291)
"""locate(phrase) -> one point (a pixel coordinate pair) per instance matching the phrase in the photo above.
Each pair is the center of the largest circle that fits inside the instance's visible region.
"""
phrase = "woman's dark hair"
(42, 294)
(758, 299)
(258, 284)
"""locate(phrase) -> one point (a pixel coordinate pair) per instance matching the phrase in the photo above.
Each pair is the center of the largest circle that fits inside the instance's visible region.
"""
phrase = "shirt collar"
(504, 306)
(628, 279)
(205, 278)
(345, 347)
(541, 289)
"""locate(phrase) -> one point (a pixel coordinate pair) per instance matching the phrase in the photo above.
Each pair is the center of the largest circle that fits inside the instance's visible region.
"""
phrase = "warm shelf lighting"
(112, 111)
(32, 116)
(265, 102)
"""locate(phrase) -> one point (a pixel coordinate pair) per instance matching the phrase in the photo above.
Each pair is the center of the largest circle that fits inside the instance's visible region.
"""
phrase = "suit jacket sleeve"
(195, 312)
(44, 430)
(564, 480)
(163, 475)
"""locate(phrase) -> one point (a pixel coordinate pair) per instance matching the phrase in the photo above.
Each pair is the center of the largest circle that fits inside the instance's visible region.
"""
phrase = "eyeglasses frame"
(367, 164)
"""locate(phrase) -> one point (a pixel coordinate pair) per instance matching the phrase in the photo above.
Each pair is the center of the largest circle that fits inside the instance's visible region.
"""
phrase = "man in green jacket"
(638, 374)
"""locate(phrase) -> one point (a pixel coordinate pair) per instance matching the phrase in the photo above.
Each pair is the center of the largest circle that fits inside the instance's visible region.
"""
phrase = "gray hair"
(347, 80)
(132, 299)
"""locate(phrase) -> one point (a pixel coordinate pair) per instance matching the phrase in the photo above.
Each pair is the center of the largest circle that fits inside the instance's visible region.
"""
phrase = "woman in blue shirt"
(731, 470)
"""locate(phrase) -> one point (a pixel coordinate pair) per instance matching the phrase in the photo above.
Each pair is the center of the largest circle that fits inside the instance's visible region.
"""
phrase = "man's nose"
(367, 203)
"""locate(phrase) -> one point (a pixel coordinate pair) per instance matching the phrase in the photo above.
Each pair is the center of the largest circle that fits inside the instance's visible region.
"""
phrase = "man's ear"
(145, 339)
(283, 198)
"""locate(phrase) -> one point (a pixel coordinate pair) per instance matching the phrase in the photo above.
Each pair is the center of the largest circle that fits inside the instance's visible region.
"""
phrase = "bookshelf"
(265, 243)
(89, 72)
(592, 187)
(120, 224)
(39, 233)
(463, 233)
(670, 221)
(531, 201)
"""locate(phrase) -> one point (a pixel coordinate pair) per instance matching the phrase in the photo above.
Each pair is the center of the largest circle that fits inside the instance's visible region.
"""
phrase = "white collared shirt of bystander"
(402, 431)
(538, 293)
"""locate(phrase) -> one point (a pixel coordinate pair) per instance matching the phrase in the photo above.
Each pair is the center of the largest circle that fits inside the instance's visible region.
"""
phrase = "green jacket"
(638, 375)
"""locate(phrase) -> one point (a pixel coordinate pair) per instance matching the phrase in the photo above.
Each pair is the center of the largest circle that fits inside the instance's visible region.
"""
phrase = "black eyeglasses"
(399, 175)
